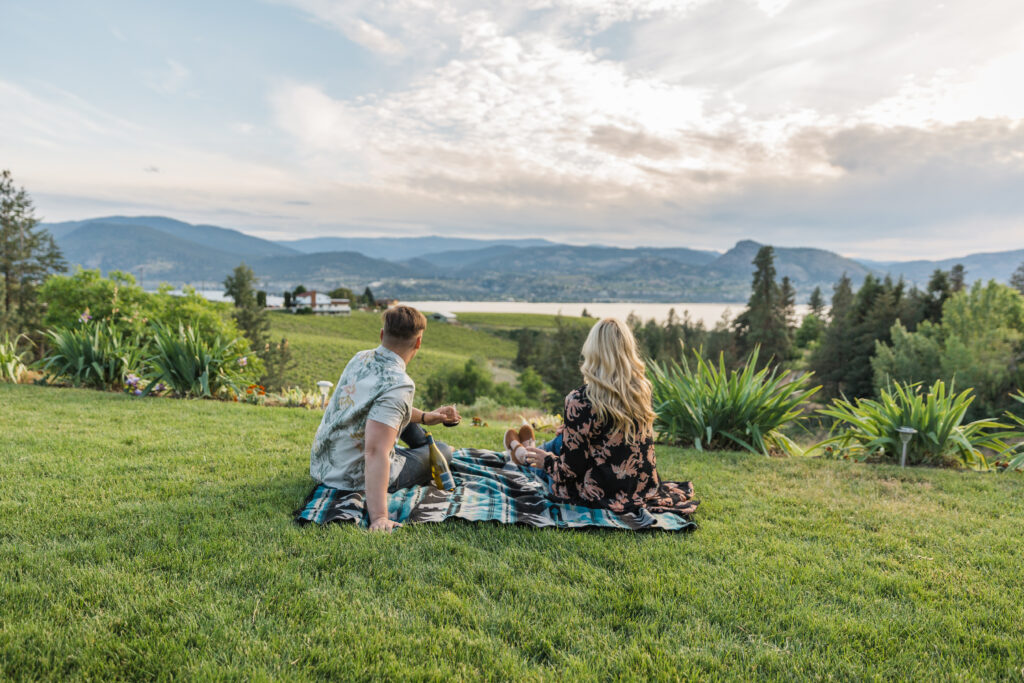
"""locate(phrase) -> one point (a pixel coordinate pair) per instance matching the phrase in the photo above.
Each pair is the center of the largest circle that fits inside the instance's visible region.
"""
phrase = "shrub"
(866, 429)
(12, 360)
(1016, 462)
(92, 355)
(714, 408)
(191, 365)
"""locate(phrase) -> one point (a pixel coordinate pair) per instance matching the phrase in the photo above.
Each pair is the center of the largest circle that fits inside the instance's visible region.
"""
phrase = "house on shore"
(320, 304)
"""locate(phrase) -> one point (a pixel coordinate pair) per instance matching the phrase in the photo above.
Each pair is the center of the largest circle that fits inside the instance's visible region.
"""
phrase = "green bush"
(473, 381)
(1016, 462)
(866, 428)
(92, 354)
(714, 408)
(192, 365)
(12, 358)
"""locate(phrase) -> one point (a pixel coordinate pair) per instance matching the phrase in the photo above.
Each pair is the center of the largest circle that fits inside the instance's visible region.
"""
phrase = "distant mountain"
(401, 248)
(209, 236)
(801, 264)
(157, 249)
(151, 255)
(983, 266)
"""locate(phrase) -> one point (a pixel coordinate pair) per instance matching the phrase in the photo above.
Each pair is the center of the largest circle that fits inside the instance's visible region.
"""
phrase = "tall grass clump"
(12, 359)
(865, 429)
(714, 408)
(1016, 452)
(194, 366)
(93, 354)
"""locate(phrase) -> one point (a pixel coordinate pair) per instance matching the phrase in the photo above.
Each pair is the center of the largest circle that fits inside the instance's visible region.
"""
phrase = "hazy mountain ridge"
(158, 249)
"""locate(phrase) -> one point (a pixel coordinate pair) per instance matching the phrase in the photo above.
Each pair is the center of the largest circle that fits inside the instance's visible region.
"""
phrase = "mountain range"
(157, 249)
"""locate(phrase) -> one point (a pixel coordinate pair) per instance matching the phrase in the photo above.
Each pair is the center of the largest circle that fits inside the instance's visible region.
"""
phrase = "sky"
(885, 129)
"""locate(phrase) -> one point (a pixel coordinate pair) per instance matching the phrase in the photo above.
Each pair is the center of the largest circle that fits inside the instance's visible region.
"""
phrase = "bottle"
(439, 470)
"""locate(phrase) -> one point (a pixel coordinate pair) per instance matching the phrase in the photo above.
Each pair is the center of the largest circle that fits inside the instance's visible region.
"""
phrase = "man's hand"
(448, 414)
(384, 524)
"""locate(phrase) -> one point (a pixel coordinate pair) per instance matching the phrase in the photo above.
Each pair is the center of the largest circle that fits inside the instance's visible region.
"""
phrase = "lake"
(710, 314)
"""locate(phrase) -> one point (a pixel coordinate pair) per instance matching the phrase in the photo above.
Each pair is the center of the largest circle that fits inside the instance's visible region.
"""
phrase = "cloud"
(167, 80)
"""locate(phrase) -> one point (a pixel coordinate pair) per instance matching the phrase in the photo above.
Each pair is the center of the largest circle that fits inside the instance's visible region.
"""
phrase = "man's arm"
(443, 414)
(380, 439)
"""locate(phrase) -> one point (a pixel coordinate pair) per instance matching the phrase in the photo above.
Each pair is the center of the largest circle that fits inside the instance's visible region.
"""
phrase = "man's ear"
(382, 334)
(419, 340)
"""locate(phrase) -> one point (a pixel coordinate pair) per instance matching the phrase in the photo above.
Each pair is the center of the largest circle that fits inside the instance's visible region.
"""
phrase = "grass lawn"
(153, 539)
(518, 321)
(322, 345)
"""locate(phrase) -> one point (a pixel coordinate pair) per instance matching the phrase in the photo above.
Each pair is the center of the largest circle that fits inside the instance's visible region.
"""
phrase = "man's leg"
(416, 470)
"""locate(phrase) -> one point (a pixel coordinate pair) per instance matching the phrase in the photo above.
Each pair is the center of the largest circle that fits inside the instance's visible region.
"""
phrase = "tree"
(251, 317)
(831, 356)
(1017, 279)
(788, 302)
(764, 322)
(956, 278)
(28, 255)
(817, 304)
(937, 293)
(261, 299)
(342, 293)
(287, 299)
(368, 298)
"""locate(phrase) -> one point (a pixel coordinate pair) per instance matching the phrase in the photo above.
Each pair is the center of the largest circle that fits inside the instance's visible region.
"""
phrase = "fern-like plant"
(713, 408)
(192, 366)
(92, 354)
(867, 428)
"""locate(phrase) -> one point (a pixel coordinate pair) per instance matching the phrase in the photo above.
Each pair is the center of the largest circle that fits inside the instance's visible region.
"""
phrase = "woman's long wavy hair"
(617, 383)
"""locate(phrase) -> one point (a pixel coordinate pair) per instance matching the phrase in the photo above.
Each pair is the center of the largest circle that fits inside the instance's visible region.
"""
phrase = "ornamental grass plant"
(714, 408)
(12, 358)
(193, 366)
(866, 429)
(92, 354)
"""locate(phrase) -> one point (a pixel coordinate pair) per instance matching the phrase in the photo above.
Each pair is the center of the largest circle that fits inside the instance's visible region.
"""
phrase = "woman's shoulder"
(578, 395)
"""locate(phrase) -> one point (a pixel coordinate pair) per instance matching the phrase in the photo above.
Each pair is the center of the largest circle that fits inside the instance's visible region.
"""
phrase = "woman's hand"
(384, 524)
(534, 457)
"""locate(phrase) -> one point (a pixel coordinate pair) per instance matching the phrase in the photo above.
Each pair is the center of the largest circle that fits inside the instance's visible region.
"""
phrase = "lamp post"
(325, 388)
(906, 434)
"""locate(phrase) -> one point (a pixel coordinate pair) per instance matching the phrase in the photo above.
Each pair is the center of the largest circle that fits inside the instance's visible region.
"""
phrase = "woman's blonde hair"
(617, 383)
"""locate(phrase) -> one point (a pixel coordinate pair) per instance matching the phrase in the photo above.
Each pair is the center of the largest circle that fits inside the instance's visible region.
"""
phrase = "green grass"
(516, 321)
(153, 539)
(322, 345)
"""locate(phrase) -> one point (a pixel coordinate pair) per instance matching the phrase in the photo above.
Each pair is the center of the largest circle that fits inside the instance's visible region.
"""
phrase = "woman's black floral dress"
(599, 468)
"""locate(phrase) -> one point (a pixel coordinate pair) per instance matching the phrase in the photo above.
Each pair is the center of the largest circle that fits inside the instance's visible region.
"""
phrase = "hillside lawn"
(153, 538)
(322, 345)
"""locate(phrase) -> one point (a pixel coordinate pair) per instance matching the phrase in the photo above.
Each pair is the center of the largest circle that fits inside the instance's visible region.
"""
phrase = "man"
(354, 448)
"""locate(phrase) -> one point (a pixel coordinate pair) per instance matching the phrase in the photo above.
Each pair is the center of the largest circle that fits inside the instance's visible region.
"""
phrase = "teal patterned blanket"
(488, 488)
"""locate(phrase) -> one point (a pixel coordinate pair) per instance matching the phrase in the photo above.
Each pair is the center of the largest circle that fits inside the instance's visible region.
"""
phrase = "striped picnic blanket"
(487, 488)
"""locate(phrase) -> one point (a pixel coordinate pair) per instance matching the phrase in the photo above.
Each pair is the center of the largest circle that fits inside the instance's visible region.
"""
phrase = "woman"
(604, 455)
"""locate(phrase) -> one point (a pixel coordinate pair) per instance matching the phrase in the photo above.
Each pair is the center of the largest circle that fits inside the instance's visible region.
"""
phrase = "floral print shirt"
(373, 386)
(598, 468)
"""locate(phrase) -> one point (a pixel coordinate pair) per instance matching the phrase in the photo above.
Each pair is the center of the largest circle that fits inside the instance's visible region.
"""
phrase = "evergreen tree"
(831, 357)
(28, 255)
(817, 304)
(763, 323)
(788, 302)
(956, 278)
(1017, 279)
(937, 293)
(368, 298)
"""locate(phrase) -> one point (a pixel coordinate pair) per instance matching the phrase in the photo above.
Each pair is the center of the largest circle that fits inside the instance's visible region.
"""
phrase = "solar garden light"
(325, 387)
(906, 434)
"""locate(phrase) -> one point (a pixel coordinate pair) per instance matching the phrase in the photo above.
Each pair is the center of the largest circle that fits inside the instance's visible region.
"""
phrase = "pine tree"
(251, 318)
(831, 357)
(937, 293)
(957, 276)
(817, 304)
(788, 302)
(28, 255)
(763, 323)
(1017, 279)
